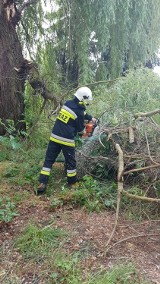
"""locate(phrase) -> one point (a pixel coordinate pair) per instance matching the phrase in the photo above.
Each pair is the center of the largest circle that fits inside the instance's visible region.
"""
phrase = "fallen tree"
(140, 147)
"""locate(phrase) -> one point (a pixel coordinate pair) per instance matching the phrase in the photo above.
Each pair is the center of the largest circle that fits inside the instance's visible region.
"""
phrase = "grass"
(122, 274)
(44, 245)
(7, 209)
(90, 194)
(20, 197)
(67, 271)
(36, 241)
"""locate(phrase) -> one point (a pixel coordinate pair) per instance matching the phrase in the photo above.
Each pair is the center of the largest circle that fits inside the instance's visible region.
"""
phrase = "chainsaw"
(89, 128)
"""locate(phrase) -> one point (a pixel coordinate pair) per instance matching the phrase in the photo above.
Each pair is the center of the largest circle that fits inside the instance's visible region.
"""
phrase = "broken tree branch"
(132, 237)
(131, 135)
(149, 152)
(140, 198)
(141, 169)
(119, 190)
(146, 114)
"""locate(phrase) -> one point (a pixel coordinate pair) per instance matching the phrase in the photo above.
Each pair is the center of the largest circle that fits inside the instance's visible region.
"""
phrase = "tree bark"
(11, 85)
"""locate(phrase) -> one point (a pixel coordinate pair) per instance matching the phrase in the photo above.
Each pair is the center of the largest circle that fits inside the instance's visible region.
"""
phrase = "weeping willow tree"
(98, 39)
(73, 42)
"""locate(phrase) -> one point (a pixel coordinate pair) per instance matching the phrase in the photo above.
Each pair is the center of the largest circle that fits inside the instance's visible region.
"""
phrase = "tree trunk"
(11, 85)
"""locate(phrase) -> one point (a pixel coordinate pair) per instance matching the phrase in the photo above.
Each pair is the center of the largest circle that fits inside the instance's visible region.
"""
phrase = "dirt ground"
(138, 243)
(89, 234)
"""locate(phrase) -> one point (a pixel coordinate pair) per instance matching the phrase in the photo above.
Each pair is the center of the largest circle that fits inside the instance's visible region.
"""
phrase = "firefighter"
(69, 122)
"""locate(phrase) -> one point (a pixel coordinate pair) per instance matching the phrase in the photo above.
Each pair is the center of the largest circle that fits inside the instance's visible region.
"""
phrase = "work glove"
(94, 120)
(81, 133)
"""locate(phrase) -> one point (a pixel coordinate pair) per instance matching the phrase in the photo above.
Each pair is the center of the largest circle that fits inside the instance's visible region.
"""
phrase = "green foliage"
(36, 122)
(21, 196)
(72, 39)
(90, 194)
(11, 172)
(137, 92)
(55, 203)
(67, 270)
(25, 164)
(114, 28)
(138, 210)
(124, 274)
(4, 155)
(33, 18)
(23, 173)
(36, 241)
(7, 209)
(10, 142)
(12, 134)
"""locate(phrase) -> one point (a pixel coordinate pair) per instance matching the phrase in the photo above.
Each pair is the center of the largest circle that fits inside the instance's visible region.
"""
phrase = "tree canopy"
(92, 40)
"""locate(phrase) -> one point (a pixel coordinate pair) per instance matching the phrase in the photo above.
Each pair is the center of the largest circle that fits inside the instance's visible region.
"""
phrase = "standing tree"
(11, 85)
(99, 40)
(14, 68)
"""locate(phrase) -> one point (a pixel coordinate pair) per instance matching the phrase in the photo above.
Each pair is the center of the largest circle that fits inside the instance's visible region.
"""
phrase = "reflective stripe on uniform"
(62, 140)
(71, 173)
(45, 171)
(74, 116)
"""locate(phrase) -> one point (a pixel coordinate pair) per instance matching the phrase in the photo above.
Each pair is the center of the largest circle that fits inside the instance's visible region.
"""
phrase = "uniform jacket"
(69, 122)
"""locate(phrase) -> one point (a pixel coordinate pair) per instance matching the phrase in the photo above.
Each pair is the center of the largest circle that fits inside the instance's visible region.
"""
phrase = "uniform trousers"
(52, 153)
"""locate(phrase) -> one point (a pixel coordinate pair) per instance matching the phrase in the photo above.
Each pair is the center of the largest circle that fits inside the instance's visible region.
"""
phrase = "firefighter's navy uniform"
(69, 122)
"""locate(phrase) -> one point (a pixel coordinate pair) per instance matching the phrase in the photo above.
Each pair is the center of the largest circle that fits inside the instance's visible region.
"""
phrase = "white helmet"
(83, 93)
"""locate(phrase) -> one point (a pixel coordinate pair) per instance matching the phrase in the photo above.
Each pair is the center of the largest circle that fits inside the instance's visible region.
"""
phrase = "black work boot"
(41, 189)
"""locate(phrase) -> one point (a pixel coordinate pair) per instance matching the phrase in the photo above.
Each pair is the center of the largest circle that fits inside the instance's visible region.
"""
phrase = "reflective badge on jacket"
(63, 117)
